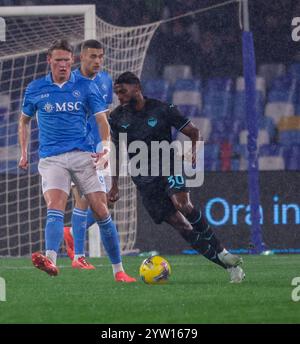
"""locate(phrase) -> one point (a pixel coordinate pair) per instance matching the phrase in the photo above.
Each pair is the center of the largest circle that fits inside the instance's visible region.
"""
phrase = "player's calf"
(69, 241)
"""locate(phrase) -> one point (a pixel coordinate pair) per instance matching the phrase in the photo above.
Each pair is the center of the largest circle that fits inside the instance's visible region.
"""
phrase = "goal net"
(29, 32)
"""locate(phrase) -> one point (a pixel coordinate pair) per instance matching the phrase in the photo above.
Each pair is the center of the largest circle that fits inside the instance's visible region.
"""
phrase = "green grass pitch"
(198, 292)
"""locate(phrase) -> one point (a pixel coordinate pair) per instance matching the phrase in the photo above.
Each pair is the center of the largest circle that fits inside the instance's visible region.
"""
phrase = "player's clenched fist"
(23, 163)
(113, 194)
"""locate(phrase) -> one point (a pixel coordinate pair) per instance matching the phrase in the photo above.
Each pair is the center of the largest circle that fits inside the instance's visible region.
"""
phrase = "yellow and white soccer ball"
(155, 270)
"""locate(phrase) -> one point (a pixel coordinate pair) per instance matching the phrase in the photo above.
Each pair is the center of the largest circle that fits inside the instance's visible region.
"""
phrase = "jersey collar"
(78, 72)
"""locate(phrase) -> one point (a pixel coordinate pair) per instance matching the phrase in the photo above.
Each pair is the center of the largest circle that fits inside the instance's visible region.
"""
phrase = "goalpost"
(29, 32)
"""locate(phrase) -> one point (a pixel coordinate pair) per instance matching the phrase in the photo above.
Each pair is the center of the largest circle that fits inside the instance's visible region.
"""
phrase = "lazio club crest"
(152, 122)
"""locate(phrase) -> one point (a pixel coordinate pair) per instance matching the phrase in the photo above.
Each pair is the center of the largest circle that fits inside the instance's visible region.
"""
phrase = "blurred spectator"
(209, 56)
(209, 41)
(272, 31)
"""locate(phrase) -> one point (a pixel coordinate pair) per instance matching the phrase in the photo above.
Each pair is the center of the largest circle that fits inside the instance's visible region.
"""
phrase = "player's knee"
(80, 200)
(179, 222)
(184, 227)
(100, 210)
(81, 204)
(184, 207)
(57, 204)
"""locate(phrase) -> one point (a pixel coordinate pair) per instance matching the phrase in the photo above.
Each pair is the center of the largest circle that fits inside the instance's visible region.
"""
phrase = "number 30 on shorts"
(176, 181)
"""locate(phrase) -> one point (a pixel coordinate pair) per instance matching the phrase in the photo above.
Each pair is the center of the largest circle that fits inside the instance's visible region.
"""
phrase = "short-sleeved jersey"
(153, 123)
(62, 113)
(104, 82)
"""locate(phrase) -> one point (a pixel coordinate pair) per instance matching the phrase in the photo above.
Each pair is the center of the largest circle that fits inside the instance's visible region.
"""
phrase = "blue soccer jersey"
(62, 113)
(104, 82)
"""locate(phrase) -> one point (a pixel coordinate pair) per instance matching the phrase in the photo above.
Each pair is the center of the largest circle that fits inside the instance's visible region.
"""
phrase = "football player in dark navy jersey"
(166, 198)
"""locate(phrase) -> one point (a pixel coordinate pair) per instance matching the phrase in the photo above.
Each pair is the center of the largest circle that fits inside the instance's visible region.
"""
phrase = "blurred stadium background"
(196, 63)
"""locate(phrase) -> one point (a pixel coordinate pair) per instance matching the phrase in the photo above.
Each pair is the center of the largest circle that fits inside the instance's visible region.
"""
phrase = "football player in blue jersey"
(63, 102)
(91, 61)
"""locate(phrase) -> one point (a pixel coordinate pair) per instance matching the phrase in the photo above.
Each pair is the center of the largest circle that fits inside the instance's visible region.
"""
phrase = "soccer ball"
(155, 270)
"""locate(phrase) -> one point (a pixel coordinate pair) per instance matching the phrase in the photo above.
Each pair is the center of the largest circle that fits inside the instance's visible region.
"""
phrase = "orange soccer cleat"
(69, 242)
(121, 276)
(82, 263)
(44, 263)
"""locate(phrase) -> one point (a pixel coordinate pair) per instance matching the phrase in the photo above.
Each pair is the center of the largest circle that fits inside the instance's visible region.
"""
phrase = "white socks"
(76, 256)
(222, 253)
(52, 255)
(117, 267)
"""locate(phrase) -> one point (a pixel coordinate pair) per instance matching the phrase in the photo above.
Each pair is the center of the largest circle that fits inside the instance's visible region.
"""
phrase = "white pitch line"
(32, 267)
(69, 266)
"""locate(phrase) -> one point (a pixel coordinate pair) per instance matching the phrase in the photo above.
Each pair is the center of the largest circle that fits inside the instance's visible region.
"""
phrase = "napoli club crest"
(76, 93)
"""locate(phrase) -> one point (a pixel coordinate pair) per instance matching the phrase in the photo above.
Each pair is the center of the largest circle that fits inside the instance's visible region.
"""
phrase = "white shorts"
(106, 173)
(58, 171)
(104, 179)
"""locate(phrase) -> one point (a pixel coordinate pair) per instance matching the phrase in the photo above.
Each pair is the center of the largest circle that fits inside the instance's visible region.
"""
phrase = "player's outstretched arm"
(23, 140)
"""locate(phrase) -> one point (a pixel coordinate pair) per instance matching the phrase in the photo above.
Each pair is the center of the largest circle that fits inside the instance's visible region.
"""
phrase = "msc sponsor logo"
(60, 107)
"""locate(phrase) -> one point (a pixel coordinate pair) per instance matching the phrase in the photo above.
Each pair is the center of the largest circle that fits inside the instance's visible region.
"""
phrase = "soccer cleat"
(82, 263)
(236, 274)
(69, 242)
(121, 276)
(44, 263)
(230, 260)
